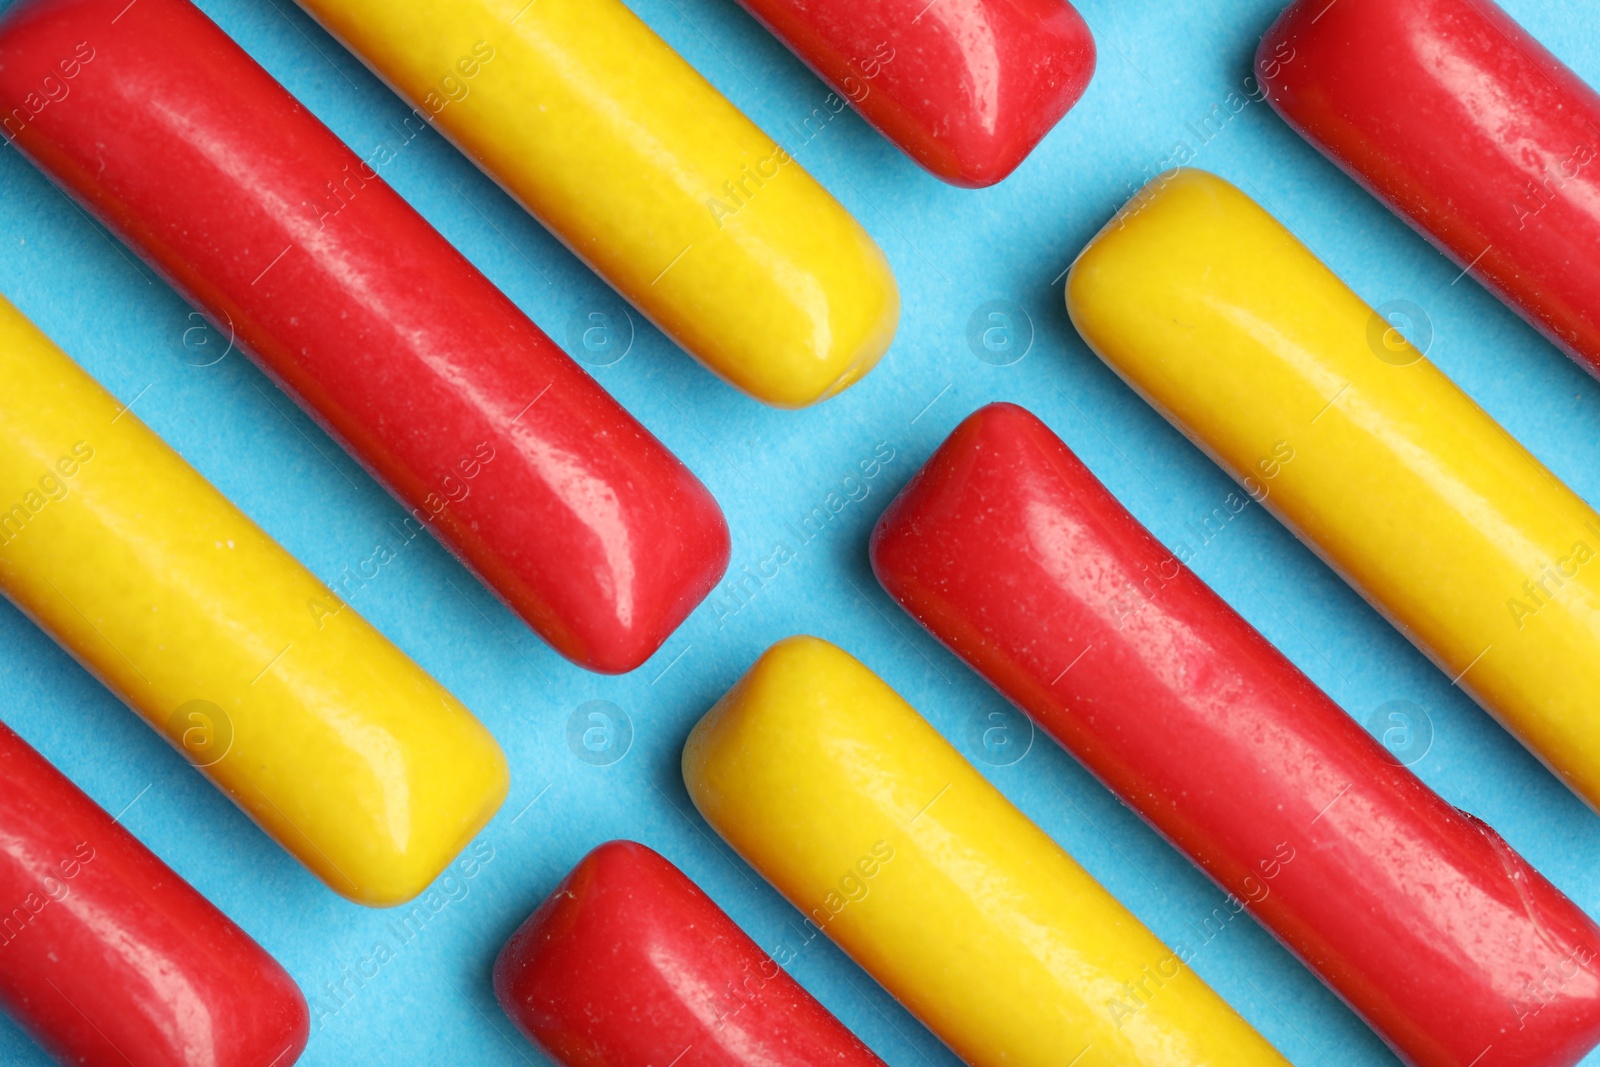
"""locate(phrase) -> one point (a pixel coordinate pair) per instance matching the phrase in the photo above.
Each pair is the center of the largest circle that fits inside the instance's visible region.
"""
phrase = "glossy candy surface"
(344, 751)
(966, 88)
(1467, 128)
(628, 962)
(490, 436)
(108, 958)
(636, 162)
(1423, 919)
(870, 823)
(1235, 332)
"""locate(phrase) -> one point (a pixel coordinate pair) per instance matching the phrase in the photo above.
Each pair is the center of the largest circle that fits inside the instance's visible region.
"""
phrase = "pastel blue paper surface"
(1165, 68)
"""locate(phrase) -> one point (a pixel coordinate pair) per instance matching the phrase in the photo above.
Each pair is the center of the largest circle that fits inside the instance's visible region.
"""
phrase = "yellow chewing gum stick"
(1247, 343)
(339, 746)
(650, 175)
(869, 822)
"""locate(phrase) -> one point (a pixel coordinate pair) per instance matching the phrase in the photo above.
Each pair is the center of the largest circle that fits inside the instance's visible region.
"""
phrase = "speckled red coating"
(108, 958)
(967, 88)
(1467, 128)
(490, 436)
(1422, 918)
(629, 963)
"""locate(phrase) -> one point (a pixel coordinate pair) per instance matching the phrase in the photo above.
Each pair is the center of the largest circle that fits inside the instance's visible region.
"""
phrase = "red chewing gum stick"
(629, 963)
(1421, 917)
(108, 958)
(1467, 128)
(163, 128)
(967, 88)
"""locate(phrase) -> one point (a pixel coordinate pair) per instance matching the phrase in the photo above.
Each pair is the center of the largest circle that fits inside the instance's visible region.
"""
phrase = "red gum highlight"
(1469, 130)
(580, 520)
(1010, 552)
(629, 963)
(967, 88)
(117, 951)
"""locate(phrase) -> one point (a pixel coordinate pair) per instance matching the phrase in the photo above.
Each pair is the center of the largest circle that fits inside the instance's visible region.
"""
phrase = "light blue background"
(1163, 66)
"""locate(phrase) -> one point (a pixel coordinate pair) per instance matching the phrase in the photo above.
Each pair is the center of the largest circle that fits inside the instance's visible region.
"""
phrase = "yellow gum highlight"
(1246, 342)
(640, 166)
(870, 823)
(339, 746)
